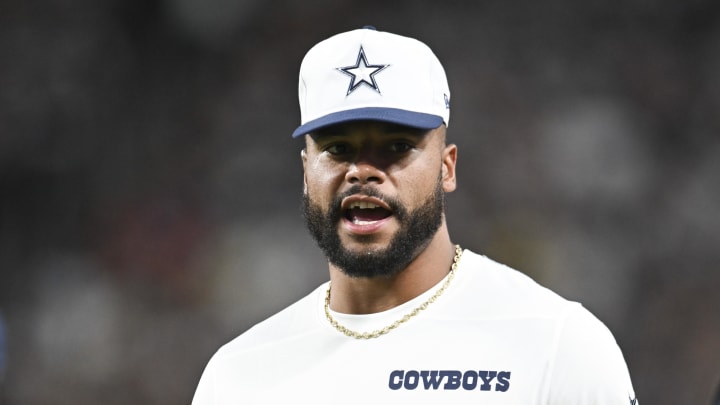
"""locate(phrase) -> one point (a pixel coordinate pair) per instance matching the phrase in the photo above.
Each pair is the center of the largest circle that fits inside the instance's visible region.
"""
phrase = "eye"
(401, 146)
(337, 148)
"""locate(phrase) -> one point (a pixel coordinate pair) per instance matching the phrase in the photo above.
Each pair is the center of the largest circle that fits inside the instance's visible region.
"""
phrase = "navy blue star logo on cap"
(362, 73)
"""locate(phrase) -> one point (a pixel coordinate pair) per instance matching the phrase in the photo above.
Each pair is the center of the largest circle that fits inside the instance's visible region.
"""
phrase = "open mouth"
(363, 212)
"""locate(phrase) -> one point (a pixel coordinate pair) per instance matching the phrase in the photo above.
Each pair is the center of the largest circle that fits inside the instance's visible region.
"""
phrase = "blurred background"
(150, 189)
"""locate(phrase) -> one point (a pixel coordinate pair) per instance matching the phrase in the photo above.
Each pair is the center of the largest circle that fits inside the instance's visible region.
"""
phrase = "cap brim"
(396, 116)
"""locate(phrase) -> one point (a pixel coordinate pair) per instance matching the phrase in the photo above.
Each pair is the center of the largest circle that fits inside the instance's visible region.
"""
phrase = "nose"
(364, 172)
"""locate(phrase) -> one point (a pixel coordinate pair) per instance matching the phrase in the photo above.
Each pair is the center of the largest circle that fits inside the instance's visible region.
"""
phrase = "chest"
(489, 362)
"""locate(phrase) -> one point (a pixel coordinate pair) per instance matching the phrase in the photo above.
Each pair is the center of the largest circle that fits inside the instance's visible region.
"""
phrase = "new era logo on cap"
(369, 74)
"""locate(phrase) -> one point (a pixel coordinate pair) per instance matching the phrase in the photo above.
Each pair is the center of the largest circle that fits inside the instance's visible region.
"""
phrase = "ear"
(449, 160)
(303, 157)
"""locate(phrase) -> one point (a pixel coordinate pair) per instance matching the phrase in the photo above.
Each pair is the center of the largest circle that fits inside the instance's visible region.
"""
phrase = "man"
(407, 317)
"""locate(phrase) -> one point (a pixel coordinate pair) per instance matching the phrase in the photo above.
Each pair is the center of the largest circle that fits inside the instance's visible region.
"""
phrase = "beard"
(417, 228)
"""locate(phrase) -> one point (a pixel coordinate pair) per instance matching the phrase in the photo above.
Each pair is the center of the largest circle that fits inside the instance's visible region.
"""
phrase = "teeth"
(364, 205)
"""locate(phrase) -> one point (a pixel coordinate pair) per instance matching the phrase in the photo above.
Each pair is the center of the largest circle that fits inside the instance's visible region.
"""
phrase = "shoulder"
(298, 319)
(297, 322)
(588, 363)
(584, 359)
(512, 293)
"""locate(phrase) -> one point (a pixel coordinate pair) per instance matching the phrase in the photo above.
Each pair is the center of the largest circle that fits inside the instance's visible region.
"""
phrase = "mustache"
(395, 205)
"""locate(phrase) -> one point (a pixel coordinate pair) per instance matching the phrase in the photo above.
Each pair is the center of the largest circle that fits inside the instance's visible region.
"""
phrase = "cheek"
(321, 181)
(425, 176)
(419, 185)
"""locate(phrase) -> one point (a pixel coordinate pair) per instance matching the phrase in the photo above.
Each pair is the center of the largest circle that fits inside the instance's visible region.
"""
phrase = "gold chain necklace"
(385, 330)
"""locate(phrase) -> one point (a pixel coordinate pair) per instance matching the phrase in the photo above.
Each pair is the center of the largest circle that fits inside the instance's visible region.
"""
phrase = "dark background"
(149, 187)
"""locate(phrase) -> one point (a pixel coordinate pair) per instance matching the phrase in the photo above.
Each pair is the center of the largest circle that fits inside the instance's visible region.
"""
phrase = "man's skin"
(399, 162)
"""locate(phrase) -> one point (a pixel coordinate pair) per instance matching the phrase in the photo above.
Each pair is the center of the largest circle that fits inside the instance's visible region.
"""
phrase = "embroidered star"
(362, 73)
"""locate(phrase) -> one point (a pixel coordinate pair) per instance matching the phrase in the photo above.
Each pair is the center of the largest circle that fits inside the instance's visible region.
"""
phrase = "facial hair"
(417, 228)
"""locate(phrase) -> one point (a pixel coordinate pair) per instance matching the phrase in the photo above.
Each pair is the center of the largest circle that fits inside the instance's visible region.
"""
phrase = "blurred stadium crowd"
(149, 187)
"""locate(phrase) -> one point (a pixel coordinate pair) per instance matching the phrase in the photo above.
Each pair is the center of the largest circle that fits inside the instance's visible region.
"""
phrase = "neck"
(370, 295)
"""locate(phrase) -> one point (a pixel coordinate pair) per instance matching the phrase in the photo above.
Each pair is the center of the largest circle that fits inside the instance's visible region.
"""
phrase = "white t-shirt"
(494, 337)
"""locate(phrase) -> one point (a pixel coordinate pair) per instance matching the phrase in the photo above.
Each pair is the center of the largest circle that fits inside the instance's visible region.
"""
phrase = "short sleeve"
(589, 368)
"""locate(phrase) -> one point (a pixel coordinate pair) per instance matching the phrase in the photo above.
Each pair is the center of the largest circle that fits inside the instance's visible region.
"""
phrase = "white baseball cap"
(367, 74)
